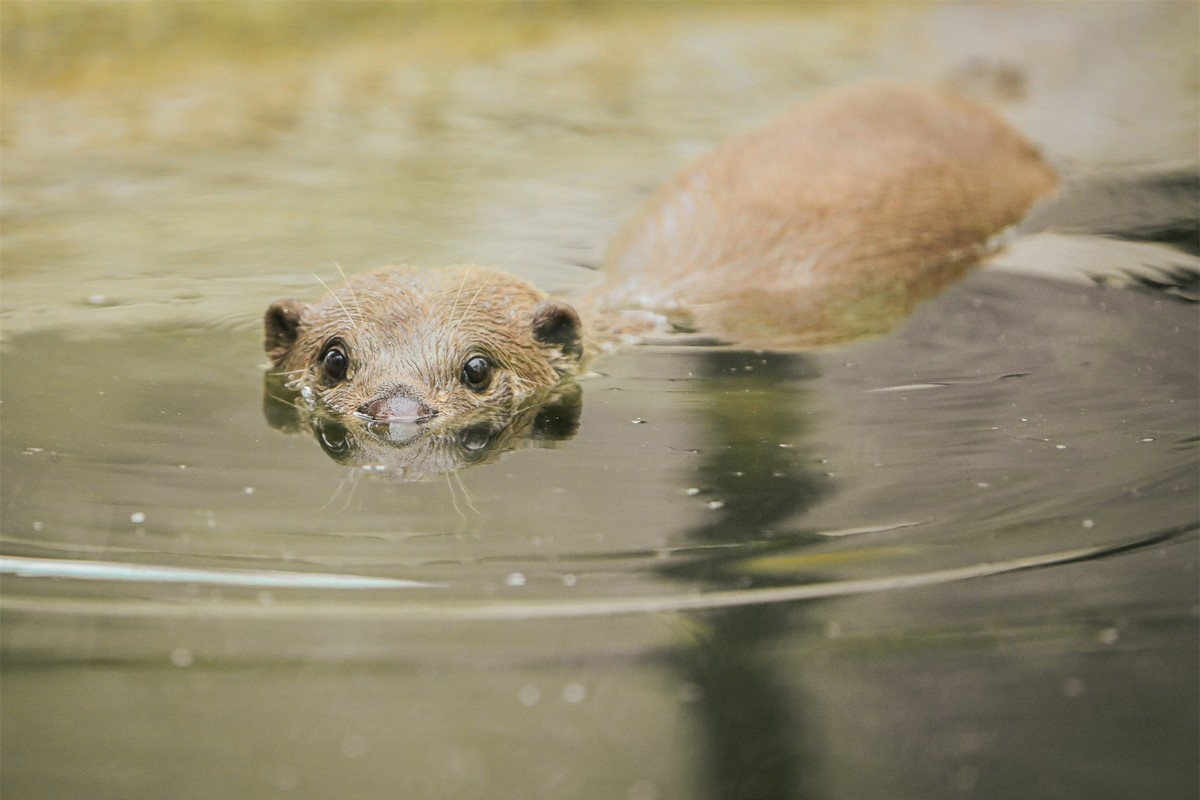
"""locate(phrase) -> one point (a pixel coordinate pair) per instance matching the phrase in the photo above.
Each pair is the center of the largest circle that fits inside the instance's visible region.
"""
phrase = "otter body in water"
(826, 225)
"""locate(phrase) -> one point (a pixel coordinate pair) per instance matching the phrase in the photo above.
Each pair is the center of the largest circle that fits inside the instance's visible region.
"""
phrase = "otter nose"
(396, 408)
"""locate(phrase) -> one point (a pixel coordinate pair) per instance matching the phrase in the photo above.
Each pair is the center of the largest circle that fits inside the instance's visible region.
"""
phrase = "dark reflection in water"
(414, 451)
(756, 463)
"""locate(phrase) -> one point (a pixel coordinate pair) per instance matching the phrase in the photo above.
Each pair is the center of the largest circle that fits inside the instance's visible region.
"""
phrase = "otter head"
(429, 347)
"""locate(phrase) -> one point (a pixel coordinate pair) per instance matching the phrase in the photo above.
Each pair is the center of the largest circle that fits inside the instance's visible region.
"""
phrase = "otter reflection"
(417, 450)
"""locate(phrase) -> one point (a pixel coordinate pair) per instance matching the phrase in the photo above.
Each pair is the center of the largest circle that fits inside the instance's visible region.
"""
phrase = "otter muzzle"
(396, 408)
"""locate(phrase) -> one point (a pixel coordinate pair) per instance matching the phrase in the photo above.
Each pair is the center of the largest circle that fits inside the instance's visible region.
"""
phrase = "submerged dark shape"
(826, 225)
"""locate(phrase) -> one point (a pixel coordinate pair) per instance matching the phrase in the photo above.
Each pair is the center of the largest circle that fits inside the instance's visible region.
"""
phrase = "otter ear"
(281, 326)
(555, 322)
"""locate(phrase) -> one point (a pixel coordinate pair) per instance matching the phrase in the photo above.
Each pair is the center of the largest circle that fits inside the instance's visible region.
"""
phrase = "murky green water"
(958, 561)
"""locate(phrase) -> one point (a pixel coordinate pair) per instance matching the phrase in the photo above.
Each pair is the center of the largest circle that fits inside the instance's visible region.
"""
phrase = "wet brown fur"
(828, 224)
(408, 330)
(865, 200)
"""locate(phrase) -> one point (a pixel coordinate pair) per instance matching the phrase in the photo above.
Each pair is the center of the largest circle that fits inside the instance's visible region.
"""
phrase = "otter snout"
(396, 408)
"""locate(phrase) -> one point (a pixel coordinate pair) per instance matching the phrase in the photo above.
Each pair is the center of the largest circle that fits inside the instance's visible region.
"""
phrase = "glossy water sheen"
(957, 561)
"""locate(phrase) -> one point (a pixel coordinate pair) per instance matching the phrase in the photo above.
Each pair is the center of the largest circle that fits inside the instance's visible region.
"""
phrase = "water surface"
(956, 561)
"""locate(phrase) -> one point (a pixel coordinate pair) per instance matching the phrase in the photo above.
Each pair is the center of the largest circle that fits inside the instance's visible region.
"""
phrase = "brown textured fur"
(825, 225)
(408, 332)
(805, 231)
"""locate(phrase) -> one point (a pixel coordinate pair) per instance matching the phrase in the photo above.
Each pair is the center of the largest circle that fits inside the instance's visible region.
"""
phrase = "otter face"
(432, 347)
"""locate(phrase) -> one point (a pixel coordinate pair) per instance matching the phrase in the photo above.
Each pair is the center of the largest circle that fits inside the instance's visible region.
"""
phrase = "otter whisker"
(291, 403)
(453, 497)
(333, 294)
(466, 493)
(350, 287)
(458, 295)
(348, 480)
(482, 285)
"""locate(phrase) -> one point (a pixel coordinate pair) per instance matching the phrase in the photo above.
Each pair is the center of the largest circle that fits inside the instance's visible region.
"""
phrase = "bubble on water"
(692, 491)
(248, 490)
(716, 504)
(1108, 636)
(1060, 447)
(354, 746)
(182, 657)
(983, 485)
(515, 579)
(529, 695)
(642, 790)
(137, 518)
(1073, 687)
(285, 778)
(569, 580)
(1146, 439)
(1087, 524)
(833, 630)
(965, 778)
(37, 526)
(574, 693)
(266, 598)
(638, 421)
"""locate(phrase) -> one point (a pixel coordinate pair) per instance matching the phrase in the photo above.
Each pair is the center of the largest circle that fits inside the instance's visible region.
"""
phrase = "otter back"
(830, 221)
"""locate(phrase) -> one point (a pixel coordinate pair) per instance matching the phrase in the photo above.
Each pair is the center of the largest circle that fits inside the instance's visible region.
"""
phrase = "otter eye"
(477, 373)
(334, 362)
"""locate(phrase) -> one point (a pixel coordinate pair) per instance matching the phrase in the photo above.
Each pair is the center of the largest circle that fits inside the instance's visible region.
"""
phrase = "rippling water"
(956, 561)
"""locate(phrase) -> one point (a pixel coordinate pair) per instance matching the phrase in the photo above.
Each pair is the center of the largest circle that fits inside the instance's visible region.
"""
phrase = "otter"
(826, 225)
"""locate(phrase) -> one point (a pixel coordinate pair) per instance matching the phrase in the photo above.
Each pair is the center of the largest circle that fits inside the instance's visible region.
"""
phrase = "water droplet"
(137, 518)
(515, 579)
(983, 485)
(569, 580)
(716, 504)
(638, 421)
(692, 491)
(182, 657)
(1108, 636)
(37, 526)
(1060, 447)
(1146, 439)
(1088, 524)
(574, 692)
(248, 490)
